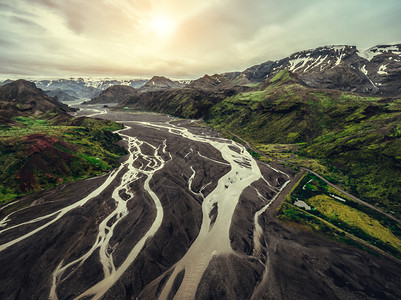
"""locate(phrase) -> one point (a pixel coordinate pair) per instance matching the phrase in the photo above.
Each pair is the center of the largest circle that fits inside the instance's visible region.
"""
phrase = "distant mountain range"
(80, 88)
(376, 71)
(373, 71)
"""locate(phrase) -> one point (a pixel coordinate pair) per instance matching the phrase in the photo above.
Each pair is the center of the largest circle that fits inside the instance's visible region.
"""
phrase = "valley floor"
(187, 215)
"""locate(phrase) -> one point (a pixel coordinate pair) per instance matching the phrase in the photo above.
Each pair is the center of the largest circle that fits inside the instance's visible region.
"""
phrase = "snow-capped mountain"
(85, 88)
(374, 71)
(80, 88)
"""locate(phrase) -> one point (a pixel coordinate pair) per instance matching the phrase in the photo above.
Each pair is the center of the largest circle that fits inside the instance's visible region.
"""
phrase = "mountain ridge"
(376, 70)
(22, 98)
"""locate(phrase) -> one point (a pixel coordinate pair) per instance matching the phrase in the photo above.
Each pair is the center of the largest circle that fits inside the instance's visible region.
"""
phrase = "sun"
(162, 26)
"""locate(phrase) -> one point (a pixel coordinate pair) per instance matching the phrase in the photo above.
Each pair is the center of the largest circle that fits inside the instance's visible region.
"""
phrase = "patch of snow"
(321, 61)
(364, 71)
(298, 63)
(339, 59)
(369, 54)
(125, 82)
(302, 204)
(338, 48)
(389, 48)
(382, 70)
(312, 64)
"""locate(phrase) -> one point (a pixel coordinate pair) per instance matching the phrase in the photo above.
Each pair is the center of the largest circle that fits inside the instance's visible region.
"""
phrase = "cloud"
(74, 37)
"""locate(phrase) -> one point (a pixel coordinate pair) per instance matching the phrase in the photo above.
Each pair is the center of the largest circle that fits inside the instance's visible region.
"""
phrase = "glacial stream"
(214, 236)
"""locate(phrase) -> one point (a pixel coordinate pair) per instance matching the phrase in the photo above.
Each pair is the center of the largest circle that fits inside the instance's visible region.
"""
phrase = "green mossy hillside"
(320, 207)
(353, 140)
(41, 152)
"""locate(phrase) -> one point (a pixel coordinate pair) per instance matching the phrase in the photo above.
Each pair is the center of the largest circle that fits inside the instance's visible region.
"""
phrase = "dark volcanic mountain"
(148, 93)
(113, 94)
(21, 97)
(158, 83)
(186, 102)
(376, 71)
(219, 81)
(373, 71)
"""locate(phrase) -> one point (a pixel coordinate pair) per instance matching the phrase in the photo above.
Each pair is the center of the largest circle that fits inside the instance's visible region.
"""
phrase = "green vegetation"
(339, 217)
(41, 152)
(281, 76)
(352, 140)
(254, 154)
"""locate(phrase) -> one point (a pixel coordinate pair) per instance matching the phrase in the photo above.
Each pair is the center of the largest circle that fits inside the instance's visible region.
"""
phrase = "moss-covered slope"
(41, 152)
(356, 138)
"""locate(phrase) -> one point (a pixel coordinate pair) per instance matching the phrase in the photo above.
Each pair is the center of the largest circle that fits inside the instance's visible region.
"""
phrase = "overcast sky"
(179, 38)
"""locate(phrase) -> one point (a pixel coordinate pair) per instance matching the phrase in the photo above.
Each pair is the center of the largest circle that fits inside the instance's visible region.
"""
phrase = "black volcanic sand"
(293, 264)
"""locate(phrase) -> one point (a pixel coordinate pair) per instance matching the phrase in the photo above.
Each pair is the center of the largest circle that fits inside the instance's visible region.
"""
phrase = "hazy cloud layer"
(118, 37)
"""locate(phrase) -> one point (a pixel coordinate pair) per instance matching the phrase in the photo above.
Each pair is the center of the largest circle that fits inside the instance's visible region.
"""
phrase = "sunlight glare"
(162, 26)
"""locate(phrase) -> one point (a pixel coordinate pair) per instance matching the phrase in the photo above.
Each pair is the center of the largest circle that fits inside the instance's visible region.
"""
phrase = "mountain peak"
(20, 90)
(24, 83)
(113, 94)
(157, 83)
